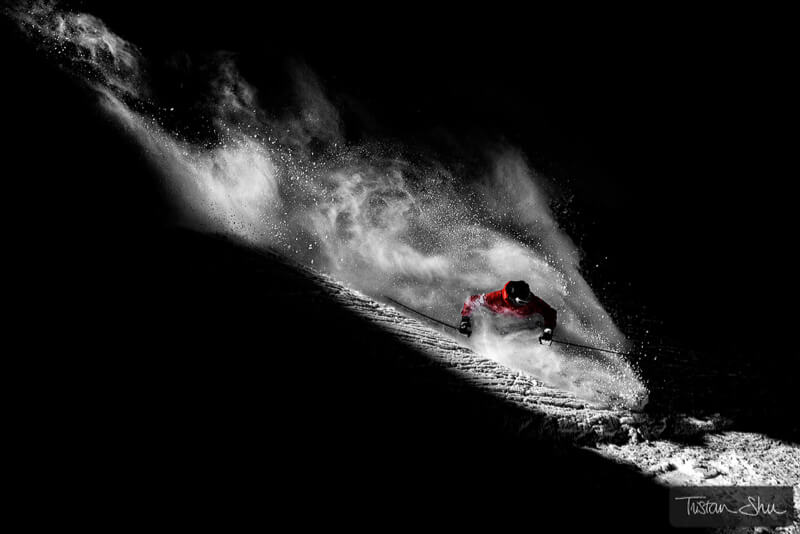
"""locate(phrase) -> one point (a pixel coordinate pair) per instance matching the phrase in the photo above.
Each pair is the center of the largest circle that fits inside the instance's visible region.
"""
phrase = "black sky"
(671, 131)
(664, 127)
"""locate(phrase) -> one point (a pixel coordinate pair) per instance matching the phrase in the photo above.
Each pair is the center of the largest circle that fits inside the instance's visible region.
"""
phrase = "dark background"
(665, 130)
(664, 133)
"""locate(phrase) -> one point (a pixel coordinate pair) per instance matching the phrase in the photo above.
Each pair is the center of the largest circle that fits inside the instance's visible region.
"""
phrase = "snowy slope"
(542, 410)
(549, 411)
(675, 451)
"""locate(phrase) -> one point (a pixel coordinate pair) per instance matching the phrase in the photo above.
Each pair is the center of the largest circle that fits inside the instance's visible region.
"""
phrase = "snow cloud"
(382, 224)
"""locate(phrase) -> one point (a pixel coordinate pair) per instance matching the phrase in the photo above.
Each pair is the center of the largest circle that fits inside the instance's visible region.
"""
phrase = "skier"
(515, 300)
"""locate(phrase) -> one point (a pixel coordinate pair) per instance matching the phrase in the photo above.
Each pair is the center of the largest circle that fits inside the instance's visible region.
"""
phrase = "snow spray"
(366, 213)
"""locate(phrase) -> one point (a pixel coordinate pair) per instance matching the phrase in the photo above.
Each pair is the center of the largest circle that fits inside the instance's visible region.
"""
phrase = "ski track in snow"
(553, 413)
(621, 435)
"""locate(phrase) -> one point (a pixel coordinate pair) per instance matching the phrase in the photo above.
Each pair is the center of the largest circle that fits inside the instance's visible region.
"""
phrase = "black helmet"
(519, 293)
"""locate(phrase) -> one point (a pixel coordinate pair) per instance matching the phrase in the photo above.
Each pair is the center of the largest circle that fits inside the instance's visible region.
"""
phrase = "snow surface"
(680, 450)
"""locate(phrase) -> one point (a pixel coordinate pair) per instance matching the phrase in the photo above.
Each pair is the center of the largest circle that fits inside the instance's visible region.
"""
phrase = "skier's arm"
(471, 305)
(465, 327)
(548, 312)
(549, 316)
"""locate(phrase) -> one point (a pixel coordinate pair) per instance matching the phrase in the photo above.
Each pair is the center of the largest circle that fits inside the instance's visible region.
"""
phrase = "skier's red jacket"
(498, 302)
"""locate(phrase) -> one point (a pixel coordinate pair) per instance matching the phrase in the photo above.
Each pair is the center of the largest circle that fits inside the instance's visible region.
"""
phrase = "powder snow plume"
(364, 213)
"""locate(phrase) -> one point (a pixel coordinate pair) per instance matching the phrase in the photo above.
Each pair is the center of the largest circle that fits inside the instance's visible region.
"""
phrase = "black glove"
(547, 337)
(465, 327)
